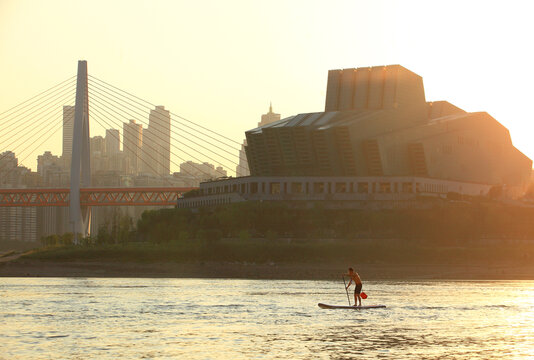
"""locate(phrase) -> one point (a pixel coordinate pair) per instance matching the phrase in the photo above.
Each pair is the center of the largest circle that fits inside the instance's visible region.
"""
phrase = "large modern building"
(378, 123)
(378, 134)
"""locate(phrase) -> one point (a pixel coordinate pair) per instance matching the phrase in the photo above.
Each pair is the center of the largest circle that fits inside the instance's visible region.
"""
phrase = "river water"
(110, 318)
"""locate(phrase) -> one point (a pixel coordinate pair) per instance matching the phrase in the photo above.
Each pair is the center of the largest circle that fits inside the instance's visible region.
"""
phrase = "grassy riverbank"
(390, 251)
(461, 240)
(284, 259)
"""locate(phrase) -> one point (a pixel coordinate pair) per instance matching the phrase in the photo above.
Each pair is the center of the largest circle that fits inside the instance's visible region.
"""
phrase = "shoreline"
(283, 271)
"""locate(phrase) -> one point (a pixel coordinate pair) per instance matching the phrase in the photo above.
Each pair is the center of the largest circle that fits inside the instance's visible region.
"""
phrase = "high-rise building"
(8, 160)
(11, 174)
(112, 141)
(98, 145)
(99, 160)
(48, 167)
(242, 168)
(18, 223)
(68, 130)
(45, 161)
(157, 142)
(120, 162)
(132, 144)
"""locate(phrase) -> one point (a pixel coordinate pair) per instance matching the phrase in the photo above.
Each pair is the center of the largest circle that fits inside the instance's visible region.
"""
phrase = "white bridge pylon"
(80, 169)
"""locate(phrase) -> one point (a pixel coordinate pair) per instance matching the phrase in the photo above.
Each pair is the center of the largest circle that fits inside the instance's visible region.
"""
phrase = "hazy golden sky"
(220, 63)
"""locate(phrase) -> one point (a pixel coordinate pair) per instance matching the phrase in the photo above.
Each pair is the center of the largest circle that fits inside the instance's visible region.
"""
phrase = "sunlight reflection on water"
(45, 318)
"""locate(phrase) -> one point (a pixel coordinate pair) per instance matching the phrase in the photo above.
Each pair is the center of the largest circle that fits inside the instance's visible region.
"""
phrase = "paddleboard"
(325, 306)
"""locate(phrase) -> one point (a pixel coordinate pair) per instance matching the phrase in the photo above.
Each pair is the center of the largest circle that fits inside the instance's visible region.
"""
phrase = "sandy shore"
(37, 268)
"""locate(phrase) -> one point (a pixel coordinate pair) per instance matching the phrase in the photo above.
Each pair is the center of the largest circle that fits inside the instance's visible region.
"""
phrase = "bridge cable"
(18, 117)
(2, 113)
(165, 140)
(36, 112)
(41, 115)
(141, 149)
(98, 110)
(35, 149)
(37, 127)
(38, 132)
(128, 147)
(181, 117)
(176, 155)
(173, 125)
(159, 116)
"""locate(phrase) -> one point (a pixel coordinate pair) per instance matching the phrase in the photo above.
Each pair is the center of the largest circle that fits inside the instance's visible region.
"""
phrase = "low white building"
(337, 192)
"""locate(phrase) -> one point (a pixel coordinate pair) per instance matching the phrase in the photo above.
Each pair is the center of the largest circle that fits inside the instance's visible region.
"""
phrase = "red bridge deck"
(93, 196)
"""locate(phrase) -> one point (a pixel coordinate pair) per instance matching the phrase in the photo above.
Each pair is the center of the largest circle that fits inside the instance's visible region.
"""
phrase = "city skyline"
(134, 150)
(233, 73)
(148, 147)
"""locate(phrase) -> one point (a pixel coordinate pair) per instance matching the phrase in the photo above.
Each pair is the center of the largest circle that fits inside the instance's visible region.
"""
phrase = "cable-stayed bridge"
(30, 125)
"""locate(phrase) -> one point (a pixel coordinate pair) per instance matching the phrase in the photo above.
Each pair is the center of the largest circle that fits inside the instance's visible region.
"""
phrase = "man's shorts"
(358, 289)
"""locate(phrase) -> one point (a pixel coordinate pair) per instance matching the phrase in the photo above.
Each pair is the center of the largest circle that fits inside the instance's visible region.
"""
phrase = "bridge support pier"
(80, 170)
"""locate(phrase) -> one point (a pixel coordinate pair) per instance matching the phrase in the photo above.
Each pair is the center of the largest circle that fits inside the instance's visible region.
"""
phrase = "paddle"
(348, 298)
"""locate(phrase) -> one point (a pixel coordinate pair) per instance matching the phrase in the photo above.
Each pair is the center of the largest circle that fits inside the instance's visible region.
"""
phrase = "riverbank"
(297, 271)
(374, 259)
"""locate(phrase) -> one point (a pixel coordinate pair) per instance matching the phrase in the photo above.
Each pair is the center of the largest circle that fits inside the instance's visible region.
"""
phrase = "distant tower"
(68, 128)
(242, 169)
(269, 117)
(157, 142)
(132, 143)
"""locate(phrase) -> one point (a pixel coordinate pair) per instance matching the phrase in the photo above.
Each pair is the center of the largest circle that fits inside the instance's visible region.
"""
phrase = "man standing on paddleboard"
(358, 282)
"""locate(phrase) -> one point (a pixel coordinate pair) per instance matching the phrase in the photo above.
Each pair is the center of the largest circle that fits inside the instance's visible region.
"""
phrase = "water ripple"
(71, 318)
